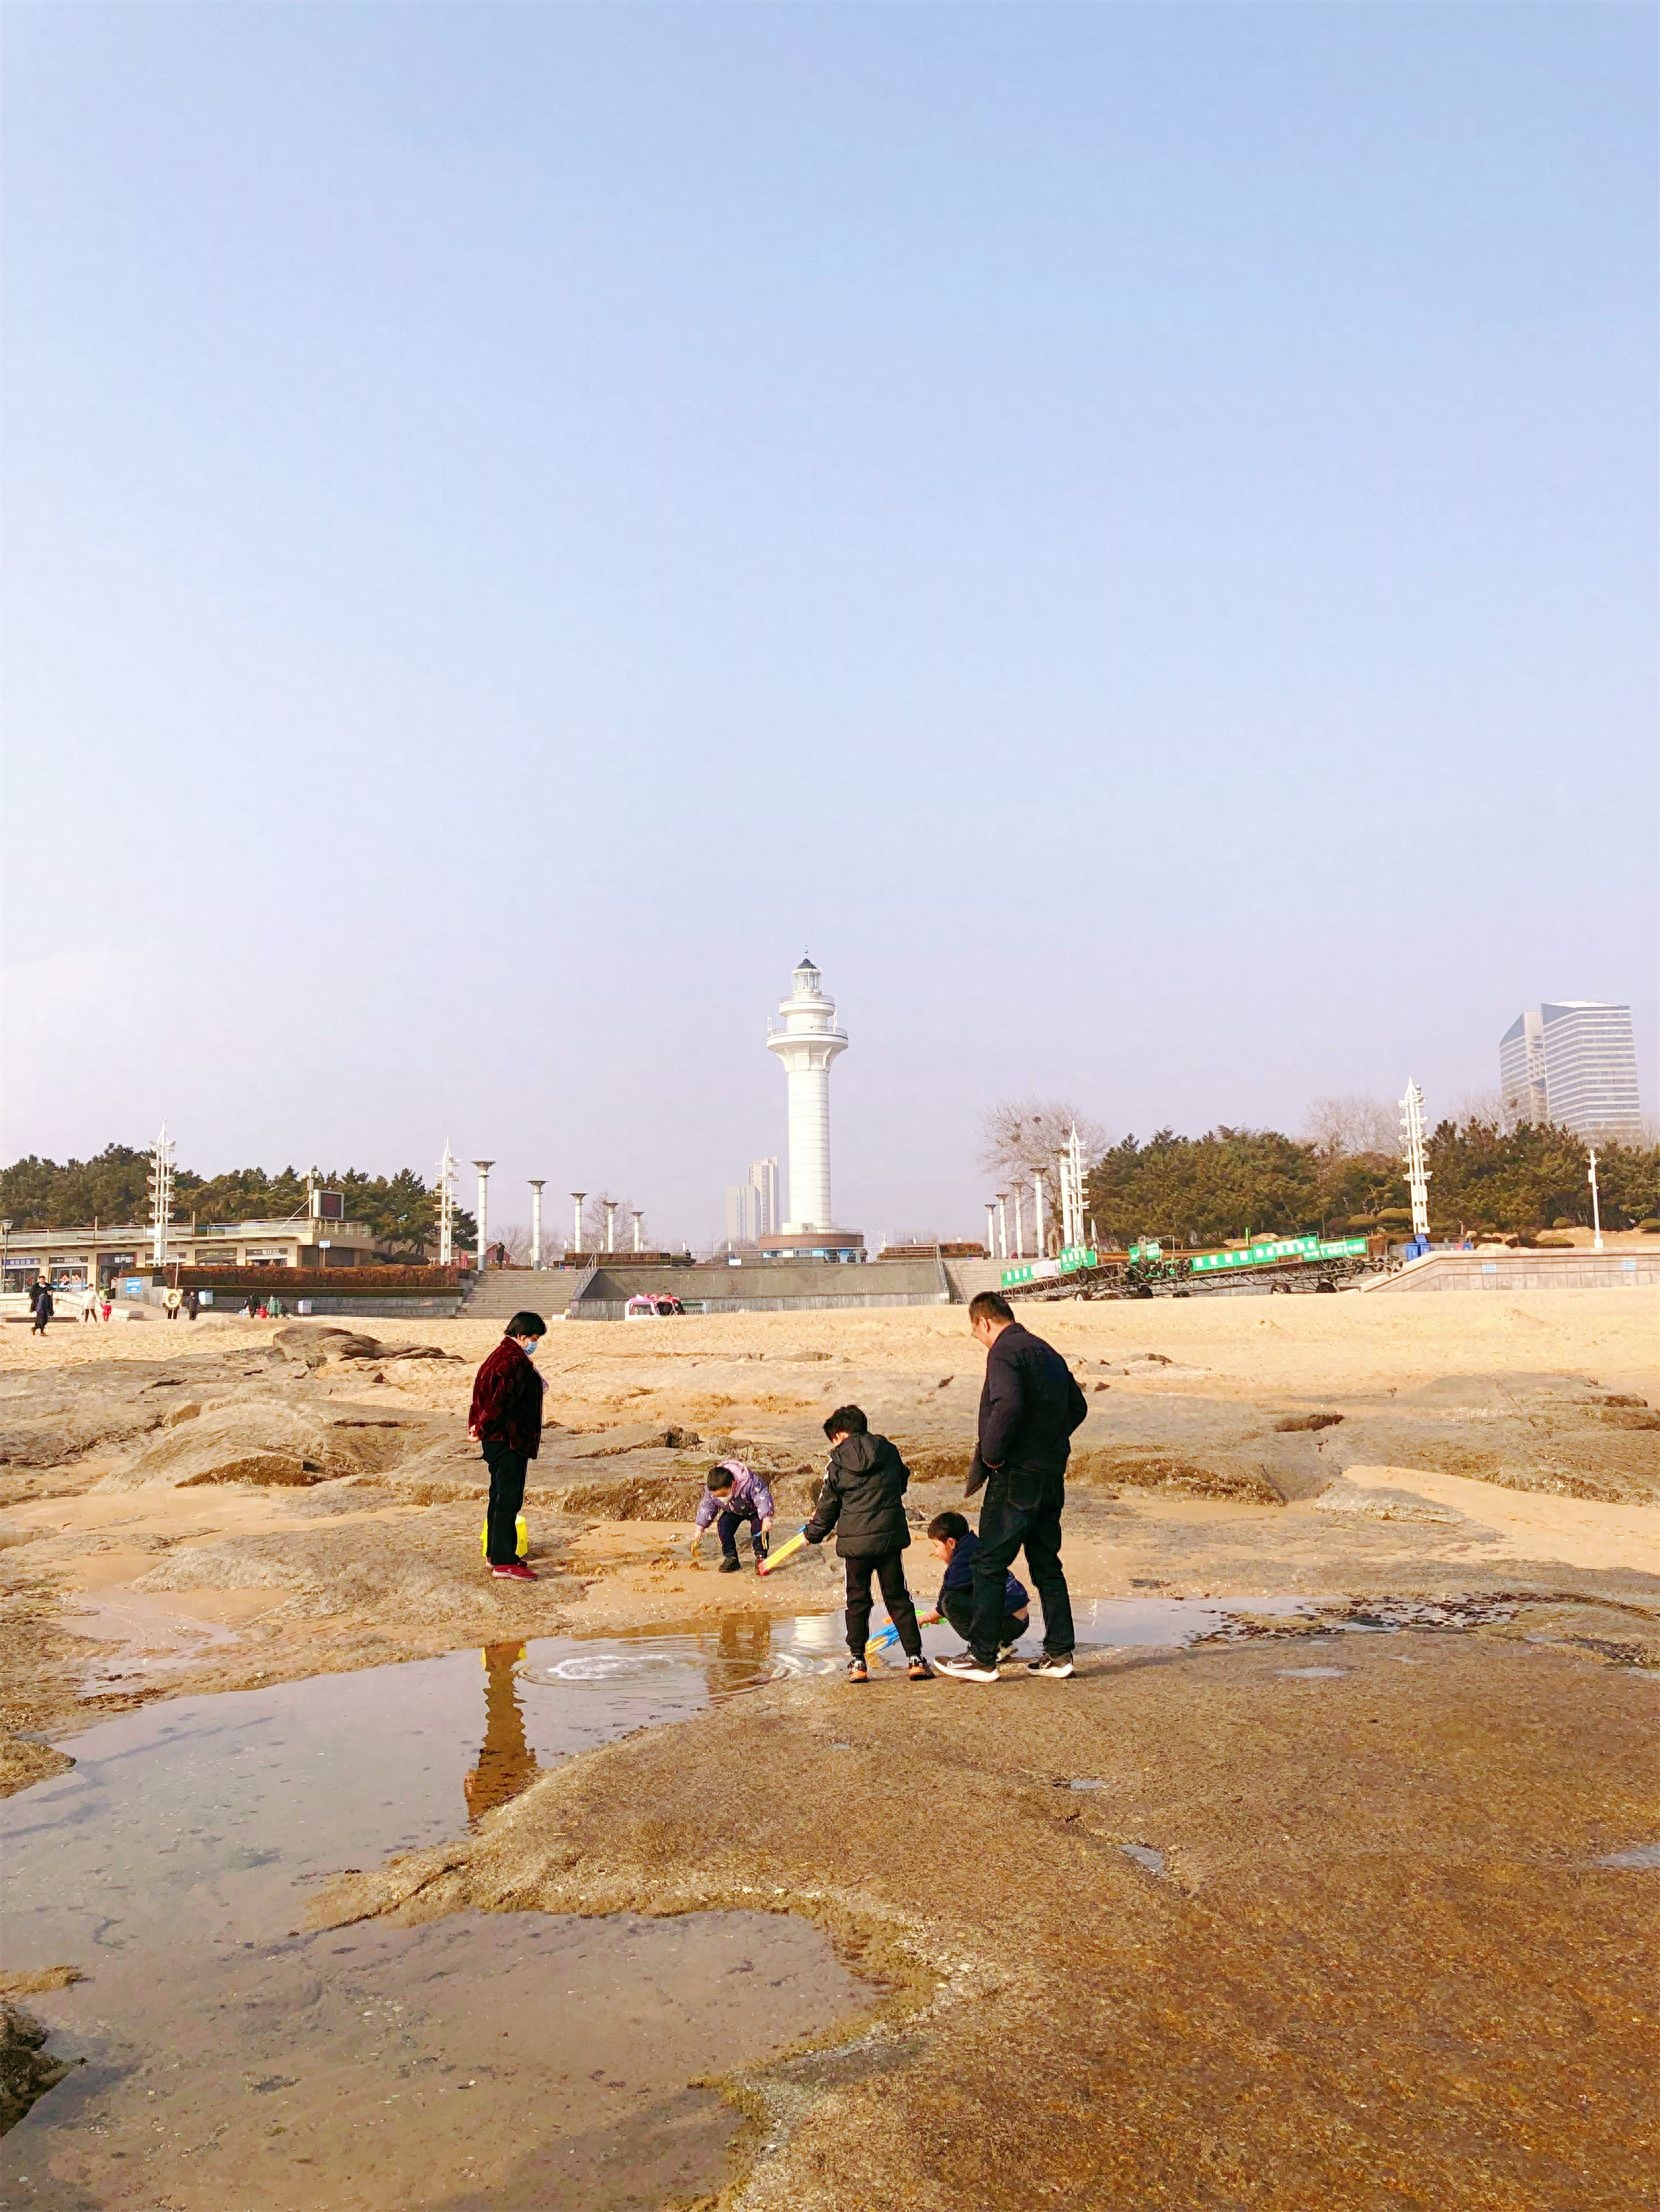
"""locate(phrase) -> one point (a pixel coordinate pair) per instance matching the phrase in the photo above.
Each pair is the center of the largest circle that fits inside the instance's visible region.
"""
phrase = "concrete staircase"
(501, 1292)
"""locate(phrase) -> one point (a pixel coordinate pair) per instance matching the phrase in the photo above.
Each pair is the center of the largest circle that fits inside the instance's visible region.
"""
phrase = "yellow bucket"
(524, 1537)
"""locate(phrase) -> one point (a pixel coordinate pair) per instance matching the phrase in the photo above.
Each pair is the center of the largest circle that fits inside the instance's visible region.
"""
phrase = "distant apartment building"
(752, 1207)
(1573, 1062)
(769, 1210)
(1522, 1069)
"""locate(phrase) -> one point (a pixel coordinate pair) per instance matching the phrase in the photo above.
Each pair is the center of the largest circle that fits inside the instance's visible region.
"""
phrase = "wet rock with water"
(26, 2070)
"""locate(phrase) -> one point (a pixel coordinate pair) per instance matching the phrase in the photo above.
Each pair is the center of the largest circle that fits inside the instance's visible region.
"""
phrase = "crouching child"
(735, 1496)
(863, 1500)
(956, 1544)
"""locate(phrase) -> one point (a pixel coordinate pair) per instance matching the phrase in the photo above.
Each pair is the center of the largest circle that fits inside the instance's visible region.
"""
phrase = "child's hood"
(857, 1455)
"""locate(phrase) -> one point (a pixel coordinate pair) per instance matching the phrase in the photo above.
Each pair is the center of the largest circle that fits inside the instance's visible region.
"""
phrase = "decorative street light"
(446, 1208)
(577, 1196)
(637, 1217)
(1412, 1151)
(536, 1182)
(484, 1167)
(610, 1205)
(161, 1196)
(1596, 1205)
(1019, 1226)
(991, 1228)
(1002, 1224)
(1037, 1216)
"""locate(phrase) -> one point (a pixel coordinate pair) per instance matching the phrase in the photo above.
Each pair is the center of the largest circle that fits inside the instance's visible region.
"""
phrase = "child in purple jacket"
(732, 1496)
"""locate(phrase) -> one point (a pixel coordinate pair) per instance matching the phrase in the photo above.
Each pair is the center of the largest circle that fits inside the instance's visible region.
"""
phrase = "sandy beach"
(1301, 1916)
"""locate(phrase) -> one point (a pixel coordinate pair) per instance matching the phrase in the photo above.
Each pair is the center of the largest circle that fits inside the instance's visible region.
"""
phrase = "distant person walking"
(40, 1300)
(506, 1418)
(89, 1304)
(1029, 1407)
(192, 1304)
(172, 1298)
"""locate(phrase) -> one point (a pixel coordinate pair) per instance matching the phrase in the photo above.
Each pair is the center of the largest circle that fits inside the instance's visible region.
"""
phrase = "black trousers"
(727, 1525)
(1005, 1529)
(507, 1494)
(957, 1607)
(889, 1570)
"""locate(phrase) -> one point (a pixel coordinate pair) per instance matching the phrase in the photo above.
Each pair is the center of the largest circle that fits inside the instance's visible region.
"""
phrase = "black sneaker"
(857, 1671)
(1057, 1665)
(729, 1565)
(919, 1670)
(966, 1668)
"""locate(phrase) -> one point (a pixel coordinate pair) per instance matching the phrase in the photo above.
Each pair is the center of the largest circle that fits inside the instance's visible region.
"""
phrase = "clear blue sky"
(1130, 531)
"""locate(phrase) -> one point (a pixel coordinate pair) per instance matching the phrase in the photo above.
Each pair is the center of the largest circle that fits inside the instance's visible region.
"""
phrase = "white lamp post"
(161, 1196)
(1019, 1226)
(1412, 1149)
(1037, 1215)
(1003, 1224)
(1596, 1205)
(536, 1182)
(991, 1228)
(610, 1205)
(484, 1167)
(446, 1209)
(577, 1196)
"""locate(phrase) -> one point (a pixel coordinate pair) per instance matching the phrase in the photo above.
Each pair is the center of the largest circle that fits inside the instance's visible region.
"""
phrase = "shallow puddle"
(522, 2061)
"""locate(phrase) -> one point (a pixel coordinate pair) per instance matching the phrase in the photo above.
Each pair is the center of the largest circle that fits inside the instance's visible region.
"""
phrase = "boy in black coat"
(863, 1499)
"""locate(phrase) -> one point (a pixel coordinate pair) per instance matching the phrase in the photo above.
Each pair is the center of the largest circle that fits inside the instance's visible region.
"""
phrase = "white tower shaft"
(806, 1045)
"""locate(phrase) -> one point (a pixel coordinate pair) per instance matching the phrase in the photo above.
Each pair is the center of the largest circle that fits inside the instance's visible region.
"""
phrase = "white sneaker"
(1058, 1669)
(966, 1668)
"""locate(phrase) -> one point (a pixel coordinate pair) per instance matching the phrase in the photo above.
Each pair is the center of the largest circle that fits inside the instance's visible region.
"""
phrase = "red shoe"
(517, 1572)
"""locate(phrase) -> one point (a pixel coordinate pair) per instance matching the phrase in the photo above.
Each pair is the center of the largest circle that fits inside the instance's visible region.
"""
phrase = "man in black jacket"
(1028, 1410)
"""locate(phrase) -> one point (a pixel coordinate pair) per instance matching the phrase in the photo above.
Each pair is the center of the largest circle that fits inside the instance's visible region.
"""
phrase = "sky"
(1127, 531)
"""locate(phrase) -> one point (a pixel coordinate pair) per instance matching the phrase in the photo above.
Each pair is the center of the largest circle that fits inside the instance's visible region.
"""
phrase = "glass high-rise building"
(1574, 1062)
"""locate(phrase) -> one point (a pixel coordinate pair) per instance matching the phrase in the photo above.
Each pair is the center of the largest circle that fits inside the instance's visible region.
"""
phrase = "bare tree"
(1346, 1127)
(1487, 1106)
(1021, 1140)
(593, 1222)
(514, 1238)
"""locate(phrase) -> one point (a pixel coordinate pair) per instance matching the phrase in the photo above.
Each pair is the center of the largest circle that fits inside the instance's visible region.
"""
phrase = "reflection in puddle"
(505, 1764)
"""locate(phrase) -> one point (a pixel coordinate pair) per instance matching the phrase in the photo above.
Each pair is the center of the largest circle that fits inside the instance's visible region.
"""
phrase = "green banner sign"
(1280, 1249)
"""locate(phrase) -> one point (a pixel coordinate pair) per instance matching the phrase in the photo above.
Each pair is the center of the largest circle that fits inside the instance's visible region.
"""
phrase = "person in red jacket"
(506, 1417)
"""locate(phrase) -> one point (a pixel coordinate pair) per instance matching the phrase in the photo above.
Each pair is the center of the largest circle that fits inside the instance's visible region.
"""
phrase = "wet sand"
(1382, 1964)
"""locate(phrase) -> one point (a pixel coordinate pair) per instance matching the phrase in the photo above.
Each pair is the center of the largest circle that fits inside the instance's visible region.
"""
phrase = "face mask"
(529, 1345)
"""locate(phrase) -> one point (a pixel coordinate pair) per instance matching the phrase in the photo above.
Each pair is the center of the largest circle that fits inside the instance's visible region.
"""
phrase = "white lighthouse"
(806, 1044)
